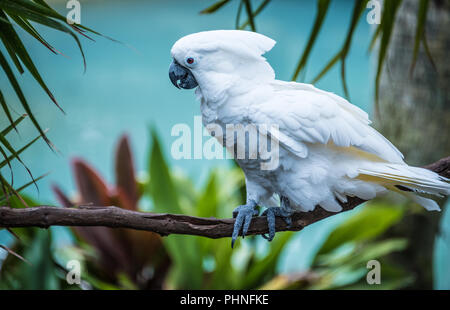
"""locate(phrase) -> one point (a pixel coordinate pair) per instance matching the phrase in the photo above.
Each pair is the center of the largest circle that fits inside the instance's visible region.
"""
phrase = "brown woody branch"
(165, 224)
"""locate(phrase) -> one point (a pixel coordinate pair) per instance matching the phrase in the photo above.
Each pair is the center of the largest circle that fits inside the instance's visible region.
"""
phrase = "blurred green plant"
(198, 262)
(123, 258)
(382, 34)
(7, 190)
(6, 187)
(341, 261)
(36, 268)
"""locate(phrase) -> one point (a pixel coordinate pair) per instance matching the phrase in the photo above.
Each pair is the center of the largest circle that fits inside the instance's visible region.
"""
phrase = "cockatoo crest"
(245, 44)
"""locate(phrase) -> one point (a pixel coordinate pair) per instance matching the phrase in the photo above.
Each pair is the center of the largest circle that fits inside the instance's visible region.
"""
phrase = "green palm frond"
(322, 9)
(6, 187)
(22, 14)
(243, 4)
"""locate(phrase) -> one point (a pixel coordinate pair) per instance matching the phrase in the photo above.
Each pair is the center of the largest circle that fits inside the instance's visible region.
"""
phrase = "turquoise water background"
(126, 87)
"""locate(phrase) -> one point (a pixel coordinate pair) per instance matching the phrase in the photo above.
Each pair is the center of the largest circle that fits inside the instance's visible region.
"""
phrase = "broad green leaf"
(370, 222)
(361, 253)
(261, 271)
(208, 201)
(184, 251)
(41, 274)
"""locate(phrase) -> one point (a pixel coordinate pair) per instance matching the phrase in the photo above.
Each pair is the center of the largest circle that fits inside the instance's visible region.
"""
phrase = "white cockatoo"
(327, 150)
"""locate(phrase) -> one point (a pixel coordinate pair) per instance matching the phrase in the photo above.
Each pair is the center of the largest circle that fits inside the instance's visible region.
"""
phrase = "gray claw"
(243, 215)
(271, 213)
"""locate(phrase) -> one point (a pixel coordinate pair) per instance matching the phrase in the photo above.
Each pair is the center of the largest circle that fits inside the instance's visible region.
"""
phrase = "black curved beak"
(181, 77)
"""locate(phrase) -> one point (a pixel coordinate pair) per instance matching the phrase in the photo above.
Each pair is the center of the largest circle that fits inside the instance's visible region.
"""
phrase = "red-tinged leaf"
(145, 246)
(121, 200)
(91, 187)
(61, 197)
(113, 256)
(114, 253)
(125, 176)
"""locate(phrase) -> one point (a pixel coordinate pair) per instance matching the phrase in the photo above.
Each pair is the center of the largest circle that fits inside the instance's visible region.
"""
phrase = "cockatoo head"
(218, 59)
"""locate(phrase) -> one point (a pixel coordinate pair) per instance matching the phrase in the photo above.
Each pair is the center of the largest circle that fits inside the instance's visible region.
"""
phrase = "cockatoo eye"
(190, 60)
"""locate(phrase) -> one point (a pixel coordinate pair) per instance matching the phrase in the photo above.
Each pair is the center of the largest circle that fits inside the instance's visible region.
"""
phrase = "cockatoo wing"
(307, 115)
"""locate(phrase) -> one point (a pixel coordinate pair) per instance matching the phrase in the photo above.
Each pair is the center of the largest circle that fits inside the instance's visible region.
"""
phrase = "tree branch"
(165, 224)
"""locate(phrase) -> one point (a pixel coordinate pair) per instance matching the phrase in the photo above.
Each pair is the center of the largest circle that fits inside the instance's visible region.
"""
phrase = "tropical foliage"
(123, 258)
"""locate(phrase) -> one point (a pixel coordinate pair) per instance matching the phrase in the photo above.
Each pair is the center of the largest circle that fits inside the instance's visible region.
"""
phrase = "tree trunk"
(415, 116)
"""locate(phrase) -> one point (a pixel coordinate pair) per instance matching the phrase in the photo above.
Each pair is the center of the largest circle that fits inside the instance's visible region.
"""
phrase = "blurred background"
(112, 145)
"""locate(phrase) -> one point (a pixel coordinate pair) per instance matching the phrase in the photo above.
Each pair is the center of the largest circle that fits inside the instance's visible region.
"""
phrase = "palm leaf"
(42, 16)
(13, 125)
(238, 15)
(322, 9)
(6, 161)
(358, 9)
(11, 39)
(374, 38)
(18, 152)
(387, 25)
(258, 10)
(6, 109)
(248, 9)
(26, 25)
(211, 9)
(12, 79)
(420, 34)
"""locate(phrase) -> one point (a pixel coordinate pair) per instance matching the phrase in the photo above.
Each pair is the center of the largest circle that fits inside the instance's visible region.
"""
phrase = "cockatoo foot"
(243, 215)
(283, 212)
